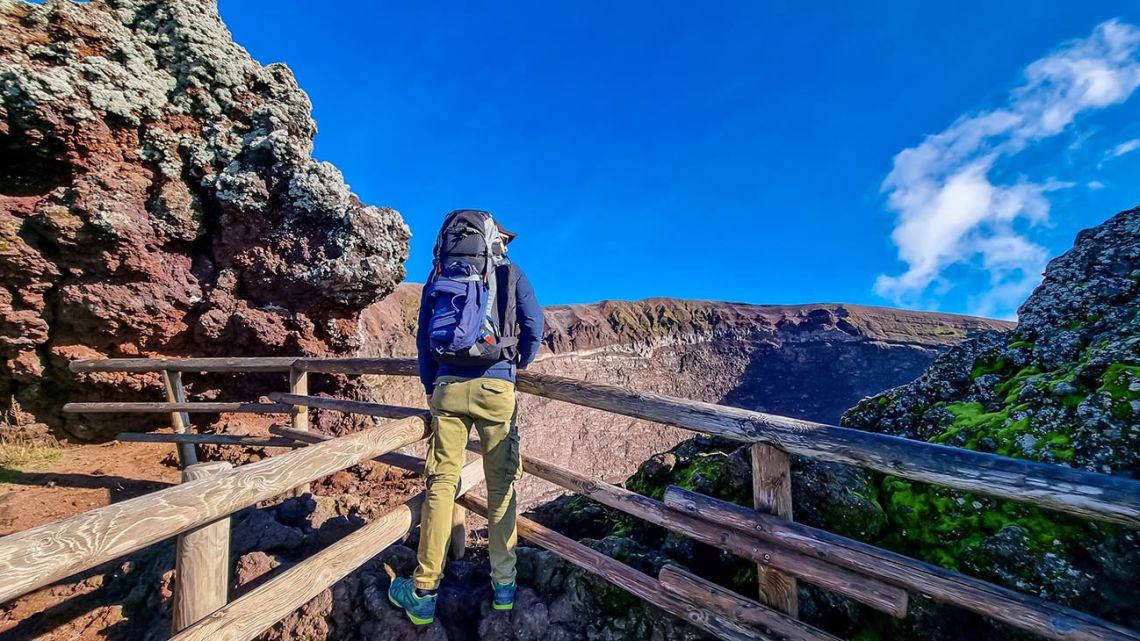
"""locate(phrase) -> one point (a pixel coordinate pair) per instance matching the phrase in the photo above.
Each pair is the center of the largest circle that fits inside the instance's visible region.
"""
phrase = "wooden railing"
(784, 551)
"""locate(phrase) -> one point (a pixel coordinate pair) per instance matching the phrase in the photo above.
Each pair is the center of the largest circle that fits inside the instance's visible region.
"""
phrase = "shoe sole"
(503, 606)
(413, 618)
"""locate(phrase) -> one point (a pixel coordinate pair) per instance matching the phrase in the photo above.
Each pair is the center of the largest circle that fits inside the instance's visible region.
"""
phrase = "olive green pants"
(457, 405)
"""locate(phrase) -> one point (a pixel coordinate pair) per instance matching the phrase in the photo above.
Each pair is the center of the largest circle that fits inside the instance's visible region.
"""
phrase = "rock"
(528, 621)
(296, 511)
(659, 466)
(255, 529)
(251, 567)
(1068, 398)
(158, 197)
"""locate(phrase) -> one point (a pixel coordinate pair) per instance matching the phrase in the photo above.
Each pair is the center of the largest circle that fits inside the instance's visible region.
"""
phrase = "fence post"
(202, 561)
(772, 493)
(175, 393)
(299, 384)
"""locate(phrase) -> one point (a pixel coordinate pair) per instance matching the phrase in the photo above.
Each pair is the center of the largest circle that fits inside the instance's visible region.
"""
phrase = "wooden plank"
(202, 560)
(772, 493)
(636, 583)
(733, 606)
(299, 385)
(247, 364)
(871, 592)
(1055, 487)
(345, 405)
(182, 407)
(395, 459)
(247, 617)
(206, 439)
(394, 366)
(1027, 612)
(1096, 496)
(457, 546)
(180, 421)
(42, 555)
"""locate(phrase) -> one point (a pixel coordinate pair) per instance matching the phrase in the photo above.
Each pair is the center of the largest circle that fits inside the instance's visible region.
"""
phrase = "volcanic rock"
(1063, 388)
(158, 197)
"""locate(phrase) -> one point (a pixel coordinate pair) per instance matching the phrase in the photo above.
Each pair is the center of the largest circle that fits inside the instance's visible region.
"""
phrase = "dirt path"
(82, 478)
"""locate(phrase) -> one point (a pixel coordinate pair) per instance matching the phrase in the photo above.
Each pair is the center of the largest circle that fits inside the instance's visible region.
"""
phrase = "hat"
(507, 234)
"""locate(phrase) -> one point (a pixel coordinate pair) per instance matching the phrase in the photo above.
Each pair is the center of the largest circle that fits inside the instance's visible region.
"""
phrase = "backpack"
(470, 323)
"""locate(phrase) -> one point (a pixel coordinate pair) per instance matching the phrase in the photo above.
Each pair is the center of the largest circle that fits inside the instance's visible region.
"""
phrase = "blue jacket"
(529, 317)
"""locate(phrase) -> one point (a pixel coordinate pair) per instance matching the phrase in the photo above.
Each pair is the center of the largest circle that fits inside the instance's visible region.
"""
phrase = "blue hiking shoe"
(420, 609)
(504, 595)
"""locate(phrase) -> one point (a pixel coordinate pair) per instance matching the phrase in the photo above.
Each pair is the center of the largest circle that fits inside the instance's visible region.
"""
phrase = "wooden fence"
(197, 511)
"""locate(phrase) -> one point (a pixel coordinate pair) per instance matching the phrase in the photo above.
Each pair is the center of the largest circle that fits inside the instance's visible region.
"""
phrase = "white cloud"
(1124, 148)
(949, 209)
(1095, 185)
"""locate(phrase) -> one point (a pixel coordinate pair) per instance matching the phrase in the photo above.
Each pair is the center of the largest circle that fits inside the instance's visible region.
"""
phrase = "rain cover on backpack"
(462, 328)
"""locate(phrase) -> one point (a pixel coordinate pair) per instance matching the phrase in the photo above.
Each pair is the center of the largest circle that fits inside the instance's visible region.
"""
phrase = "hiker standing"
(479, 322)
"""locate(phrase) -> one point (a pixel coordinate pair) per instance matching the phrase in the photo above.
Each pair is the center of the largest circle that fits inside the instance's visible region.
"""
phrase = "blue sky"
(745, 151)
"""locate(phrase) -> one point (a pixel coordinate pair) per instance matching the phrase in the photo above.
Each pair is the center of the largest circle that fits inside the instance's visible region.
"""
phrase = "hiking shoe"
(504, 595)
(420, 609)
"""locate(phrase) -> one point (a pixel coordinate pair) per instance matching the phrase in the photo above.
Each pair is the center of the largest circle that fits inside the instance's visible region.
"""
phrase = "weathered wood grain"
(41, 555)
(394, 366)
(176, 408)
(1088, 494)
(457, 546)
(1095, 496)
(206, 439)
(1030, 613)
(180, 421)
(202, 560)
(253, 613)
(872, 592)
(240, 364)
(636, 583)
(735, 607)
(395, 459)
(299, 385)
(772, 493)
(345, 405)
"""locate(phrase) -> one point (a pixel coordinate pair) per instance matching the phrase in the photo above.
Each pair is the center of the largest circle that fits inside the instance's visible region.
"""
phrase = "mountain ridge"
(620, 323)
(807, 361)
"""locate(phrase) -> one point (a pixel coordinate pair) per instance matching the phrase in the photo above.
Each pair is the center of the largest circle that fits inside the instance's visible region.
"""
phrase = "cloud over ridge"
(951, 211)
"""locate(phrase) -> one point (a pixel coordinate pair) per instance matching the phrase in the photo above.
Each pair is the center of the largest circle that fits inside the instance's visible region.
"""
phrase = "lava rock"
(158, 197)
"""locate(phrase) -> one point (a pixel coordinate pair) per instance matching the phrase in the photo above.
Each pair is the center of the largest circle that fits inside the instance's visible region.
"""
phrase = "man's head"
(505, 235)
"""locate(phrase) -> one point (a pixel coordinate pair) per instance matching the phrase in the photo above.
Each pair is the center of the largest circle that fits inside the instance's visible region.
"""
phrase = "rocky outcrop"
(158, 197)
(1063, 388)
(808, 361)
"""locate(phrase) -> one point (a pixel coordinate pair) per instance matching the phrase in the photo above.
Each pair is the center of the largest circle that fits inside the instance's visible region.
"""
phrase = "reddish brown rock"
(158, 197)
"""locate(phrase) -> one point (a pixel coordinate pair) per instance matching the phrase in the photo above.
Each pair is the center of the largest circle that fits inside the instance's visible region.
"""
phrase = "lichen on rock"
(158, 196)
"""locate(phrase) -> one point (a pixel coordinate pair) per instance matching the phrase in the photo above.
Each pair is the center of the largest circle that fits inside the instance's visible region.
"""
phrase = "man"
(463, 395)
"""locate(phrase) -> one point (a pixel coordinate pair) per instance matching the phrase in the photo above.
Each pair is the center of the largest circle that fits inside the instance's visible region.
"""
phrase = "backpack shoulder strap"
(507, 278)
